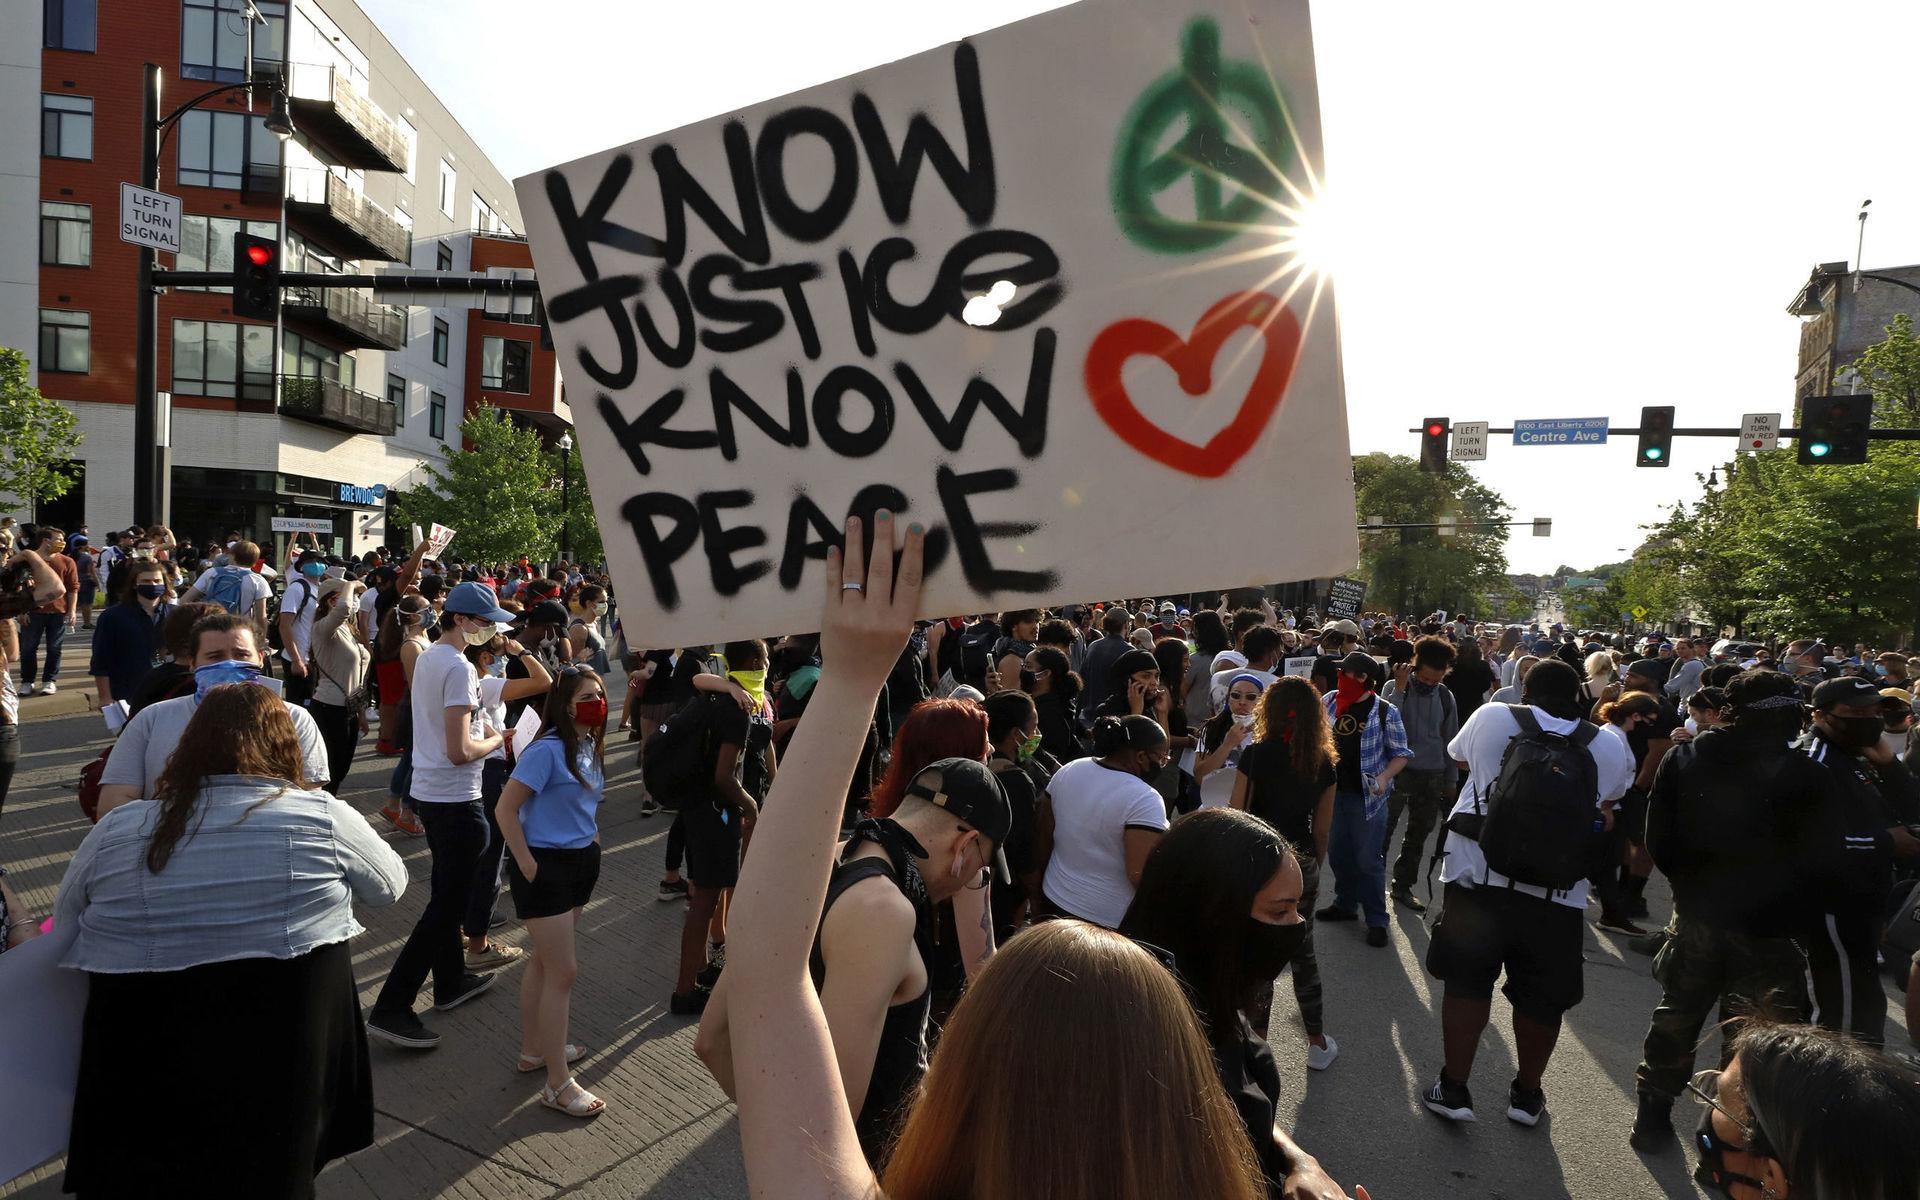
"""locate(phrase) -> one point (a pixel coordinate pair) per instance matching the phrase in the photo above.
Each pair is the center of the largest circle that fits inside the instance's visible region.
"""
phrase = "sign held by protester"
(1035, 290)
(1344, 597)
(437, 540)
(302, 525)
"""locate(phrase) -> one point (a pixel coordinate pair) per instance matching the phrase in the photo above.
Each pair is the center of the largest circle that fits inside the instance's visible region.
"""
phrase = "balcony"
(341, 123)
(346, 316)
(327, 402)
(324, 210)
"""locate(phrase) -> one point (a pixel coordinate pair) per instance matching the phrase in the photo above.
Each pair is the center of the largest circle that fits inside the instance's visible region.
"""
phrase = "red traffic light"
(260, 255)
(1436, 428)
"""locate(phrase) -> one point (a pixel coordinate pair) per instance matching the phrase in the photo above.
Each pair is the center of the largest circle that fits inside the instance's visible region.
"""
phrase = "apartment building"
(377, 175)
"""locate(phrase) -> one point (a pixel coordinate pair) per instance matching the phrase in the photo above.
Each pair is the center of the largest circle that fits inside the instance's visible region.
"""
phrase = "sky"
(1532, 210)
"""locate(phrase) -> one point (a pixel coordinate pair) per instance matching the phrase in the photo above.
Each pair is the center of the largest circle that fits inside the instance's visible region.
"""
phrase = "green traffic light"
(1655, 452)
(1819, 449)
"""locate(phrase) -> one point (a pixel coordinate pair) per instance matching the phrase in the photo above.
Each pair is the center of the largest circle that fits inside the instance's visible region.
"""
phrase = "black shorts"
(1484, 930)
(562, 881)
(1633, 816)
(713, 843)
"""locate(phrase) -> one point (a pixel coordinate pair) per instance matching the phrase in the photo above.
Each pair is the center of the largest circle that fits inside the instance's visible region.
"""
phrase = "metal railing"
(335, 109)
(379, 326)
(329, 402)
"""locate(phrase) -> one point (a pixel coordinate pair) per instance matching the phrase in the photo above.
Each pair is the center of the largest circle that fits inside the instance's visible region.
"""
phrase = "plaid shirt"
(1384, 736)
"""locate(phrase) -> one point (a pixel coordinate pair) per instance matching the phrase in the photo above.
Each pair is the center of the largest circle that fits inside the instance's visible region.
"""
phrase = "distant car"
(1728, 650)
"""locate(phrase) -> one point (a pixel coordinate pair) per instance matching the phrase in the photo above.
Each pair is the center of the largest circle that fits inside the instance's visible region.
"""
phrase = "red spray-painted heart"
(1192, 361)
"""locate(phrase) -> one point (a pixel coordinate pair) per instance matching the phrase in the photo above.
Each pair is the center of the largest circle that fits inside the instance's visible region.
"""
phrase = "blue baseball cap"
(476, 600)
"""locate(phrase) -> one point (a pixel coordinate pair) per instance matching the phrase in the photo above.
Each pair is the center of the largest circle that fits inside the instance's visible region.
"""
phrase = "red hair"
(934, 730)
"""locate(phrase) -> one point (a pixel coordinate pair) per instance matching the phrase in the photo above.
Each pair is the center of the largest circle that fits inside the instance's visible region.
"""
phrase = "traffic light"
(1656, 436)
(1434, 434)
(256, 277)
(1833, 429)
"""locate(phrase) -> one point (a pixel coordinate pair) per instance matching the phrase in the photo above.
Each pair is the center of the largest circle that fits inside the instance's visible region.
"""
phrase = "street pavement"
(459, 1122)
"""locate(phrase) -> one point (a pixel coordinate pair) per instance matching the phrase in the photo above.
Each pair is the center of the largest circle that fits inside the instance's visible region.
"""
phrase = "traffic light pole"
(1878, 435)
(398, 281)
(147, 485)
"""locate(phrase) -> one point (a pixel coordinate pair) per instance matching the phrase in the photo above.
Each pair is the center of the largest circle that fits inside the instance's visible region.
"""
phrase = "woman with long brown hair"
(1287, 780)
(401, 641)
(1035, 1089)
(216, 913)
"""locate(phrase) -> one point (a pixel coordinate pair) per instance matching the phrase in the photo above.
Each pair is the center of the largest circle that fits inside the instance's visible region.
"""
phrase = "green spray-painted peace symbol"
(1236, 139)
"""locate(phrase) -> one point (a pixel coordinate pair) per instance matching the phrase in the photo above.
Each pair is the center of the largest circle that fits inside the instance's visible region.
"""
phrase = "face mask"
(602, 609)
(497, 669)
(1880, 669)
(1893, 743)
(150, 591)
(1693, 726)
(755, 683)
(1348, 691)
(590, 714)
(1712, 1173)
(1244, 720)
(314, 570)
(212, 675)
(1028, 747)
(1029, 680)
(1857, 733)
(479, 637)
(1265, 949)
(1423, 687)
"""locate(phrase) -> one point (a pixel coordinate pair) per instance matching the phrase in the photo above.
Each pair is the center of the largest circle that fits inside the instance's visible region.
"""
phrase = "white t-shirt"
(491, 689)
(1481, 744)
(253, 589)
(148, 741)
(443, 679)
(302, 599)
(1216, 790)
(368, 599)
(1093, 807)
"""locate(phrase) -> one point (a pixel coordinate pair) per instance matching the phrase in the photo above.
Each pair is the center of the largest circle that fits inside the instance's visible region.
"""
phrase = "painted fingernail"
(916, 528)
(882, 515)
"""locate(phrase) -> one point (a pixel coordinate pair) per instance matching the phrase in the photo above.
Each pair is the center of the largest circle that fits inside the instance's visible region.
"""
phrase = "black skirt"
(238, 1078)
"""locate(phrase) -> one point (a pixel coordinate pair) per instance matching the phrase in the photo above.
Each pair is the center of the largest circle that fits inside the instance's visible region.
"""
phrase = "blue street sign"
(1561, 431)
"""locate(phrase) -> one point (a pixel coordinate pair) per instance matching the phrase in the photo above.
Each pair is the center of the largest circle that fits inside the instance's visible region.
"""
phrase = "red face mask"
(1349, 691)
(590, 714)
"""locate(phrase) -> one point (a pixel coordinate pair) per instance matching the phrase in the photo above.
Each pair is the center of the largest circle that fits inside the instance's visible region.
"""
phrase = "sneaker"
(33, 689)
(689, 1004)
(1652, 1125)
(49, 688)
(1525, 1106)
(1319, 1058)
(1405, 898)
(649, 807)
(1649, 945)
(402, 1029)
(495, 955)
(470, 986)
(709, 976)
(1376, 936)
(671, 889)
(1449, 1099)
(404, 821)
(386, 749)
(1619, 923)
(1333, 912)
(1636, 906)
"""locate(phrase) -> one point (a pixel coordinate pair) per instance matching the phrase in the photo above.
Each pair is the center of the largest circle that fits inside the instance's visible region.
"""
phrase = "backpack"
(976, 656)
(678, 758)
(1535, 825)
(228, 588)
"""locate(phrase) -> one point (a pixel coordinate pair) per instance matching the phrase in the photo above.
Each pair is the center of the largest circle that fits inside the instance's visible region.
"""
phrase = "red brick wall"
(495, 252)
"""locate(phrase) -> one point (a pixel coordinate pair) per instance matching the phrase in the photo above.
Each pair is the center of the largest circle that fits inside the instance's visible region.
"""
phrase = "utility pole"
(146, 401)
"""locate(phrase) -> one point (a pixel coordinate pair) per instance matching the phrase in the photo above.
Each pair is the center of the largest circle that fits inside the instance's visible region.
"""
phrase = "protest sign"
(1038, 290)
(41, 1006)
(1344, 597)
(437, 540)
(1302, 666)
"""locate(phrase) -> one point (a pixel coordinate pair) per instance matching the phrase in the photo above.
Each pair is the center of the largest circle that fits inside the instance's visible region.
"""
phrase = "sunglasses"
(1243, 695)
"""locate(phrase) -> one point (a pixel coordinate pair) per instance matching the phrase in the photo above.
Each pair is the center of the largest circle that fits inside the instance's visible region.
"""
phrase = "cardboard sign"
(1300, 667)
(1344, 597)
(302, 525)
(1037, 290)
(437, 540)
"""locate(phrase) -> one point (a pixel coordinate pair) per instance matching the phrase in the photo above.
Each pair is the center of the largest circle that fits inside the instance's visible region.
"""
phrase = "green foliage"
(583, 530)
(1890, 369)
(1414, 568)
(37, 437)
(500, 493)
(1598, 607)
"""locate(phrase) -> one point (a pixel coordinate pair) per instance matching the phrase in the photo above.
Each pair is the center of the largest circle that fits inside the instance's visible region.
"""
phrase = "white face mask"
(1894, 743)
(1244, 720)
(1693, 726)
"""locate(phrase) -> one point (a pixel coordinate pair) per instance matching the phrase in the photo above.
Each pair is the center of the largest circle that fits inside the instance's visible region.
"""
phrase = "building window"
(221, 358)
(411, 136)
(66, 340)
(206, 243)
(66, 127)
(437, 415)
(442, 339)
(217, 148)
(397, 396)
(213, 38)
(449, 184)
(308, 359)
(66, 234)
(505, 365)
(443, 257)
(68, 24)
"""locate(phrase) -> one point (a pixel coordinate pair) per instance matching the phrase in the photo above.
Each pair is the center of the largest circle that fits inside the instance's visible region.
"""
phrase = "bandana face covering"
(754, 682)
(211, 676)
(1349, 691)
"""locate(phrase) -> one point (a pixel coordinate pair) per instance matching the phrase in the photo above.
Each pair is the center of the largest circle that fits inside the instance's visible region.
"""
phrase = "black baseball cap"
(1646, 668)
(966, 788)
(547, 612)
(1851, 690)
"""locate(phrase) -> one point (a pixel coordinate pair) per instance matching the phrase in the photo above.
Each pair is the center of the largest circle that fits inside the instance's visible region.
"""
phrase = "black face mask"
(1029, 680)
(1266, 949)
(1712, 1173)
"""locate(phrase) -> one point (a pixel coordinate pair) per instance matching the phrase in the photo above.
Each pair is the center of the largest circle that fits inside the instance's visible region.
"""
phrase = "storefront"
(208, 501)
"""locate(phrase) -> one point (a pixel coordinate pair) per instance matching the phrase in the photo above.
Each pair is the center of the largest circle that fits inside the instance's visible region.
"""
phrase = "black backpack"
(679, 756)
(976, 656)
(1535, 825)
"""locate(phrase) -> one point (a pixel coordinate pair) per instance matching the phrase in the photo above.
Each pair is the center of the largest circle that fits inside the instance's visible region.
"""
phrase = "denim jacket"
(272, 881)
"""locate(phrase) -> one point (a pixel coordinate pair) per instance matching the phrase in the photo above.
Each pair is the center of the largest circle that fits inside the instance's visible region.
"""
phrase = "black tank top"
(901, 1057)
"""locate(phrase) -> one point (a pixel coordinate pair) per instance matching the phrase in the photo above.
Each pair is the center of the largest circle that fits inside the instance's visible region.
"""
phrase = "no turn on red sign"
(1759, 431)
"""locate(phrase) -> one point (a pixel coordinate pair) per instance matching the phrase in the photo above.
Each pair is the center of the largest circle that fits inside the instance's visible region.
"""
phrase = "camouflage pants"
(1700, 966)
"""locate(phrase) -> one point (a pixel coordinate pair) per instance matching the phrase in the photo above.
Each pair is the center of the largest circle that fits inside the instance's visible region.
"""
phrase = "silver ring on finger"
(853, 587)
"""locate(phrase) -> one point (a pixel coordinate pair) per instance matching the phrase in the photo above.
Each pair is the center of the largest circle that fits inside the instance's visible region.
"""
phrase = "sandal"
(584, 1103)
(529, 1063)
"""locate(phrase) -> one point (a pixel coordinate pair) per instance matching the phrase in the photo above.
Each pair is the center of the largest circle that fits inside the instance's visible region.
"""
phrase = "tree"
(500, 492)
(37, 438)
(583, 529)
(1410, 569)
(1890, 369)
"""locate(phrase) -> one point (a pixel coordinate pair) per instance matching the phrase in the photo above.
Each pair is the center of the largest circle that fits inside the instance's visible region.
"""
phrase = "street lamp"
(566, 509)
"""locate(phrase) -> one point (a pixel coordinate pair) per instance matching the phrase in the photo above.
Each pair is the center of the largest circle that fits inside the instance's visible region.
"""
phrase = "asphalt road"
(458, 1122)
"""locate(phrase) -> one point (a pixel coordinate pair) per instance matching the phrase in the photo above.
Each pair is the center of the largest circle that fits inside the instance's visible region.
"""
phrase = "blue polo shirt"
(561, 814)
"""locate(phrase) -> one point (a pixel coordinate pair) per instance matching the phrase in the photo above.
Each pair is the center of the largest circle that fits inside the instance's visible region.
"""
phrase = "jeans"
(340, 729)
(1354, 853)
(486, 873)
(1423, 796)
(53, 627)
(456, 837)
